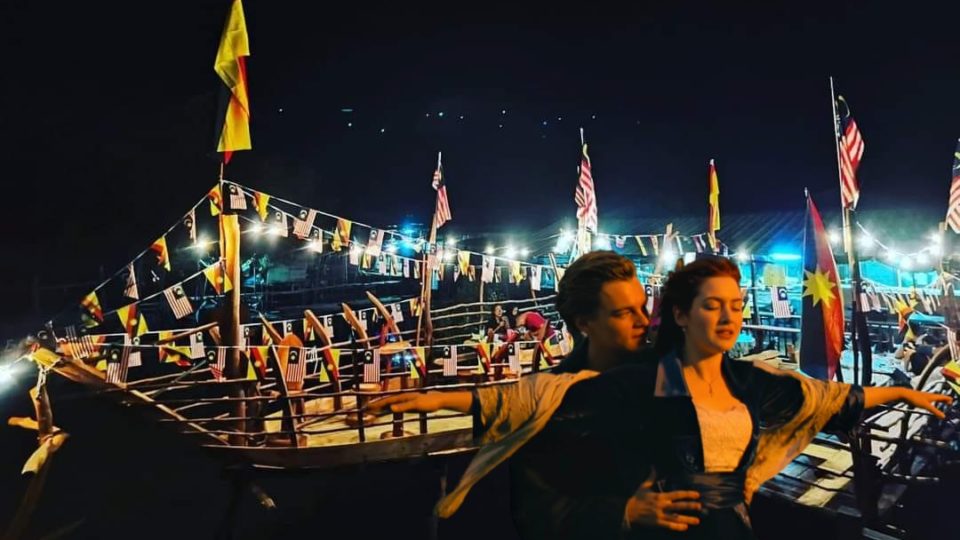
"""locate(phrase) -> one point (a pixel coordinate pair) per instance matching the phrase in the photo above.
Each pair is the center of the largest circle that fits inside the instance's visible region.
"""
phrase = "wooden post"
(230, 252)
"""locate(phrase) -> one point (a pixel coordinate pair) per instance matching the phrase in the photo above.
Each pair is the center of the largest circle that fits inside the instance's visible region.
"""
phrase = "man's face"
(621, 320)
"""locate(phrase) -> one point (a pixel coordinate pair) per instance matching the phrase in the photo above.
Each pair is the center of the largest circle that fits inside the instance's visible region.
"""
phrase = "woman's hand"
(670, 510)
(423, 402)
(926, 401)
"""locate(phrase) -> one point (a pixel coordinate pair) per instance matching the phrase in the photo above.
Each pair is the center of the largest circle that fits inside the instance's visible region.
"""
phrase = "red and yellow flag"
(91, 303)
(230, 65)
(132, 320)
(713, 205)
(163, 256)
(217, 278)
(216, 200)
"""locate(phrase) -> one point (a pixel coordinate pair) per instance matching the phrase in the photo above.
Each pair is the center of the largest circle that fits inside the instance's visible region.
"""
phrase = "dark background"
(106, 137)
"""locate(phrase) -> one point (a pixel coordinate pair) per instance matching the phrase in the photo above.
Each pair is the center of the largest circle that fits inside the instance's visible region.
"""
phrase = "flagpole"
(426, 276)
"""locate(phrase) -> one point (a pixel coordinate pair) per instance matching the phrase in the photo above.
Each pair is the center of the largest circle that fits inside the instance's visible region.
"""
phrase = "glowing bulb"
(834, 236)
(668, 257)
(524, 252)
(906, 263)
(743, 256)
(865, 241)
(889, 256)
(6, 376)
(601, 242)
(392, 248)
(935, 239)
(510, 252)
(936, 250)
(448, 255)
(256, 229)
(316, 246)
(451, 241)
(489, 250)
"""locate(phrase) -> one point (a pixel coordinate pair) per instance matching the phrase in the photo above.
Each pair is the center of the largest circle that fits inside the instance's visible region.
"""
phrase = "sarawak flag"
(821, 336)
(216, 200)
(217, 278)
(92, 305)
(713, 212)
(230, 65)
(163, 256)
(132, 320)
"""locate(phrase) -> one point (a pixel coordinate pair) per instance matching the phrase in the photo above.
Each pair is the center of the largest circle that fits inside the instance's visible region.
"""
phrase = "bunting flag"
(698, 243)
(258, 361)
(132, 320)
(620, 241)
(516, 272)
(230, 248)
(196, 346)
(656, 247)
(341, 236)
(382, 265)
(262, 202)
(414, 307)
(327, 322)
(362, 319)
(296, 365)
(230, 65)
(535, 274)
(416, 269)
(513, 358)
(304, 224)
(132, 346)
(217, 361)
(280, 226)
(951, 373)
(418, 369)
(442, 214)
(130, 289)
(483, 357)
(713, 206)
(375, 243)
(558, 278)
(371, 366)
(308, 333)
(117, 364)
(287, 328)
(354, 256)
(216, 201)
(178, 301)
(498, 275)
(651, 298)
(170, 353)
(821, 337)
(190, 223)
(448, 354)
(331, 365)
(163, 256)
(432, 256)
(472, 273)
(585, 194)
(82, 346)
(463, 259)
(217, 278)
(456, 272)
(397, 313)
(237, 199)
(406, 268)
(643, 249)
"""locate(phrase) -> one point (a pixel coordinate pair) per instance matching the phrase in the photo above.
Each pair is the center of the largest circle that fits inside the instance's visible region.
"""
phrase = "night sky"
(107, 114)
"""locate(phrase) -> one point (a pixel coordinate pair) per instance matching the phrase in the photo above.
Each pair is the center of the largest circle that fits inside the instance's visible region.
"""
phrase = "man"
(603, 302)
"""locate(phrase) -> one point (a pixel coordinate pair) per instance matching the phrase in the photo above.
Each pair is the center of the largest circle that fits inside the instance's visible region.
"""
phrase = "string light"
(489, 250)
(834, 236)
(524, 252)
(742, 255)
(510, 252)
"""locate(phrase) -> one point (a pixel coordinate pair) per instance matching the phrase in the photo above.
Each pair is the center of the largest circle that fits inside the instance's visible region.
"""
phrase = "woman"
(696, 431)
(498, 324)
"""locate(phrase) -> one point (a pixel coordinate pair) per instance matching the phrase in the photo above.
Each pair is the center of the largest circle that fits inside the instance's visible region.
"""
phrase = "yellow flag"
(230, 245)
(216, 200)
(230, 65)
(217, 278)
(159, 247)
(262, 200)
(463, 258)
(92, 304)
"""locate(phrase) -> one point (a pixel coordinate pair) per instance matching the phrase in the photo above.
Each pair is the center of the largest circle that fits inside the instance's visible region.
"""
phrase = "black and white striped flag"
(237, 200)
(371, 366)
(449, 361)
(296, 365)
(132, 345)
(303, 225)
(952, 342)
(513, 357)
(178, 300)
(781, 305)
(196, 346)
(217, 361)
(117, 358)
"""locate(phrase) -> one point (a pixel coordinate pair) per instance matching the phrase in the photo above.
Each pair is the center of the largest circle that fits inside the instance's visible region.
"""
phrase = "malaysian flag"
(304, 224)
(217, 361)
(189, 222)
(781, 305)
(280, 226)
(118, 359)
(449, 355)
(296, 365)
(443, 214)
(953, 209)
(851, 150)
(130, 290)
(196, 345)
(585, 195)
(178, 300)
(237, 200)
(371, 366)
(80, 346)
(513, 357)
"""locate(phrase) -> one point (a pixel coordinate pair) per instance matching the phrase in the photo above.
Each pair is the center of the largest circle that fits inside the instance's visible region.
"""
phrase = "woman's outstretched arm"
(879, 395)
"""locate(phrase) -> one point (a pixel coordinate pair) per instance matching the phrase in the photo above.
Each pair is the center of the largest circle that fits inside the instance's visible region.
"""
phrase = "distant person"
(498, 324)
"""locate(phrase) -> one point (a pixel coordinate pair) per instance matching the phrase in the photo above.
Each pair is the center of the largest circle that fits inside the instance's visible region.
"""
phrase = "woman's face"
(715, 318)
(498, 311)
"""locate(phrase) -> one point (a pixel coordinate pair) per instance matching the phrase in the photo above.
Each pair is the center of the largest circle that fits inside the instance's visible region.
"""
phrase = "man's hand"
(670, 510)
